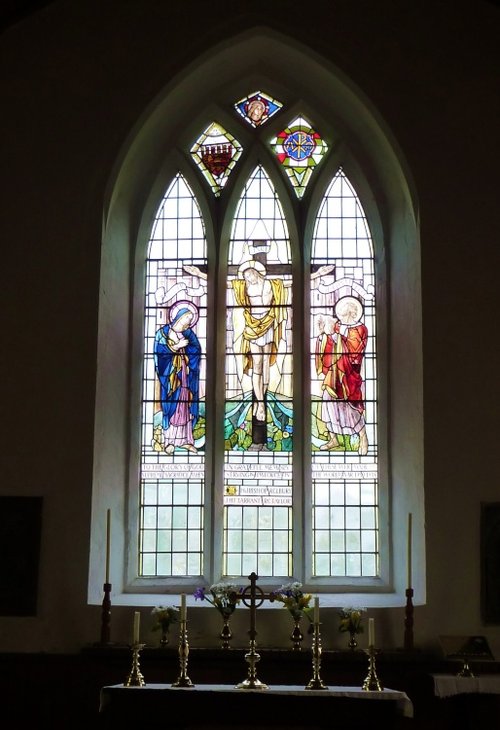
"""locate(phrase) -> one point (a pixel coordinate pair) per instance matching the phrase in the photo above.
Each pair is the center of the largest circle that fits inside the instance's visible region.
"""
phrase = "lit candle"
(108, 542)
(371, 632)
(409, 549)
(316, 609)
(183, 606)
(137, 621)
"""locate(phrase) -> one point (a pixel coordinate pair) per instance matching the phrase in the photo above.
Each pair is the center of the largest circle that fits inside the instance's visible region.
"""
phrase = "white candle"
(316, 609)
(108, 542)
(371, 632)
(183, 607)
(137, 621)
(409, 550)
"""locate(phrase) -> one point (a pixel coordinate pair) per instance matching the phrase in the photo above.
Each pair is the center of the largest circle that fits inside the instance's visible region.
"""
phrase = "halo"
(353, 302)
(184, 304)
(251, 264)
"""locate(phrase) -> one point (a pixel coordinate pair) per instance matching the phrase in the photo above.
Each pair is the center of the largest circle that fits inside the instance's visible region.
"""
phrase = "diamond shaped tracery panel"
(257, 108)
(216, 152)
(299, 148)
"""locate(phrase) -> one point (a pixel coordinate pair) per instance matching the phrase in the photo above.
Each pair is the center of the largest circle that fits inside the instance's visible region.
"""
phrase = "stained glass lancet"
(299, 148)
(258, 425)
(173, 400)
(344, 455)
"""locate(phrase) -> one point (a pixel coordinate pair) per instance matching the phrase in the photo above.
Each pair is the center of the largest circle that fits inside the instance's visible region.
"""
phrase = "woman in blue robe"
(177, 355)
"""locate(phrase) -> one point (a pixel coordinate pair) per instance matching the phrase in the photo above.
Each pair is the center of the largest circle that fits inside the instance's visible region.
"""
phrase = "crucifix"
(262, 312)
(260, 294)
(253, 601)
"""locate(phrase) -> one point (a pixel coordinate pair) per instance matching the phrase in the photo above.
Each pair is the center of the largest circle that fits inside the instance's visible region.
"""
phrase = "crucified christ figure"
(263, 302)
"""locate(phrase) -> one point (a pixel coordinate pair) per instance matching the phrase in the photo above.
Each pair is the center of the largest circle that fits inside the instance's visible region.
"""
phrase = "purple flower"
(199, 593)
(224, 596)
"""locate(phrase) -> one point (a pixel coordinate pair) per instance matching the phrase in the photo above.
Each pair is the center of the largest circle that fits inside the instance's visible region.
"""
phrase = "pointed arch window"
(260, 493)
(265, 422)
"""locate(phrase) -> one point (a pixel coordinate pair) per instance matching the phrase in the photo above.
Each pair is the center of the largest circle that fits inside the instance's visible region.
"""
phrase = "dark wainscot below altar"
(213, 706)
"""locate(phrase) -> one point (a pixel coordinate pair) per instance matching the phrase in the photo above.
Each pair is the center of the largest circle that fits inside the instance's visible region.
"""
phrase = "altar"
(467, 702)
(214, 705)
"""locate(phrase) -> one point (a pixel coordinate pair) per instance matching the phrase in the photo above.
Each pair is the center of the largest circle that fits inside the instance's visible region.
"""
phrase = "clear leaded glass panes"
(299, 148)
(216, 152)
(258, 422)
(343, 391)
(173, 401)
(257, 108)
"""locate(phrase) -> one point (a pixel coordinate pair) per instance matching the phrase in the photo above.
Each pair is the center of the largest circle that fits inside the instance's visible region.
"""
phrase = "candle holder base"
(372, 682)
(106, 615)
(466, 671)
(183, 682)
(408, 635)
(135, 678)
(251, 682)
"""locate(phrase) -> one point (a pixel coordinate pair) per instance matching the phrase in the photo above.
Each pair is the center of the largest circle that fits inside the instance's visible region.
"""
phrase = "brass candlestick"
(408, 638)
(106, 615)
(372, 682)
(466, 671)
(183, 679)
(316, 682)
(135, 678)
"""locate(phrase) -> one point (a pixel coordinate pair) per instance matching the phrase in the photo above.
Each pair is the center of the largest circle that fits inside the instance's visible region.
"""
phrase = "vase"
(225, 635)
(296, 636)
(353, 644)
(164, 638)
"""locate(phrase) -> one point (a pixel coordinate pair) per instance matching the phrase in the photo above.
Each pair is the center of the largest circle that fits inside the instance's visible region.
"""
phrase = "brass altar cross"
(252, 657)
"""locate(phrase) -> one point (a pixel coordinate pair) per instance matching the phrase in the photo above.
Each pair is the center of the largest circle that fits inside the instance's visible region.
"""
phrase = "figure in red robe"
(340, 349)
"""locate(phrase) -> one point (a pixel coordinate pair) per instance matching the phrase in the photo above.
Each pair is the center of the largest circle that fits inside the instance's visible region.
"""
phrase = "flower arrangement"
(294, 599)
(351, 620)
(164, 616)
(224, 596)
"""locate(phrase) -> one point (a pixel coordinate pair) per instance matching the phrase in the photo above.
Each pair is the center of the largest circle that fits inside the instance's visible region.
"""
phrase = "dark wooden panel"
(21, 523)
(490, 562)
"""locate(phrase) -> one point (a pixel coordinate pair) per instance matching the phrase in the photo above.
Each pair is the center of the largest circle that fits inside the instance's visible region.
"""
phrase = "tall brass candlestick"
(408, 638)
(108, 543)
(316, 682)
(106, 601)
(106, 615)
(183, 679)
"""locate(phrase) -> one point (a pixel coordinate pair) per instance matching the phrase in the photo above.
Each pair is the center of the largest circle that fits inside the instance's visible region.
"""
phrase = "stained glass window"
(257, 108)
(173, 401)
(299, 148)
(243, 430)
(262, 487)
(343, 389)
(258, 415)
(216, 152)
